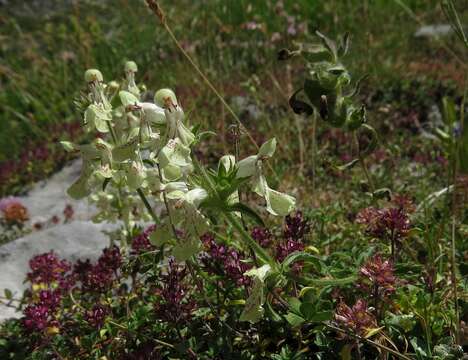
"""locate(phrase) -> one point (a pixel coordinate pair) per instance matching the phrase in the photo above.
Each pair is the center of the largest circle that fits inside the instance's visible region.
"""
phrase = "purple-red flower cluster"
(99, 277)
(224, 260)
(377, 275)
(41, 315)
(262, 236)
(388, 223)
(96, 316)
(48, 268)
(174, 305)
(296, 227)
(357, 318)
(141, 243)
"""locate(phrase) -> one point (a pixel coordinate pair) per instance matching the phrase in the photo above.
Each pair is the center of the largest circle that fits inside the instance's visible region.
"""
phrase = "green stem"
(147, 205)
(248, 241)
(363, 163)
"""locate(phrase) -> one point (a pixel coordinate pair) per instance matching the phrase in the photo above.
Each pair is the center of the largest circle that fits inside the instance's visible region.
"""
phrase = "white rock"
(433, 31)
(49, 197)
(78, 239)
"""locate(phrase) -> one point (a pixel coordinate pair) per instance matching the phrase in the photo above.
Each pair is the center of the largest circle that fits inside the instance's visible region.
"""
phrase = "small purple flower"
(296, 227)
(392, 223)
(141, 243)
(357, 318)
(96, 316)
(37, 317)
(262, 236)
(47, 268)
(175, 305)
(288, 247)
(111, 258)
(377, 276)
(223, 260)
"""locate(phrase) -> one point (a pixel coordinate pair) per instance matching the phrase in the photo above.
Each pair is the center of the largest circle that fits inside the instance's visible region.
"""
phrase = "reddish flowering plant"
(100, 276)
(223, 260)
(13, 211)
(175, 304)
(48, 268)
(378, 275)
(141, 243)
(262, 236)
(96, 316)
(40, 315)
(296, 227)
(357, 319)
(391, 224)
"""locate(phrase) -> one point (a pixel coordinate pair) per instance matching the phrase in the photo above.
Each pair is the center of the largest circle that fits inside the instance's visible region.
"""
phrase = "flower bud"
(163, 96)
(113, 86)
(131, 66)
(92, 75)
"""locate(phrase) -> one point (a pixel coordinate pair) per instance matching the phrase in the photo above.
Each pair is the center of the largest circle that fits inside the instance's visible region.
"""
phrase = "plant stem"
(374, 343)
(314, 150)
(147, 205)
(363, 163)
(157, 10)
(248, 241)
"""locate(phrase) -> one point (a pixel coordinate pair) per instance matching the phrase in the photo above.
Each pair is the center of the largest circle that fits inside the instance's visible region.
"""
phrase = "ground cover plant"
(359, 254)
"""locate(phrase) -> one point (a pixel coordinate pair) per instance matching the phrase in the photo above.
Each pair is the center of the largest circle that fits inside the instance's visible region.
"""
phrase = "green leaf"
(253, 310)
(161, 235)
(69, 146)
(267, 149)
(80, 188)
(307, 310)
(374, 140)
(8, 294)
(273, 315)
(186, 248)
(321, 316)
(300, 256)
(126, 151)
(373, 331)
(348, 165)
(316, 53)
(294, 320)
(329, 44)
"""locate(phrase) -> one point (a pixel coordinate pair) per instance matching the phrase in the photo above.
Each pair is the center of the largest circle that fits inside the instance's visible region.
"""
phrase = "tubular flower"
(356, 319)
(379, 275)
(278, 204)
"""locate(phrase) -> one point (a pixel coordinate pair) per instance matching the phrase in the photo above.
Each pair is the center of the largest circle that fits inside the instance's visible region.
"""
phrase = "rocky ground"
(79, 238)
